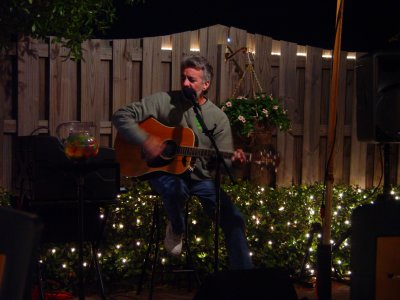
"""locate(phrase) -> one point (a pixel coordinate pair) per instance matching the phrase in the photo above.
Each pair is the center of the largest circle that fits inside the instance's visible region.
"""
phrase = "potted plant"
(261, 113)
(253, 121)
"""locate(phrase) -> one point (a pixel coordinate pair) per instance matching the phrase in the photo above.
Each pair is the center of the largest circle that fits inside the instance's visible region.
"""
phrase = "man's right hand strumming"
(153, 147)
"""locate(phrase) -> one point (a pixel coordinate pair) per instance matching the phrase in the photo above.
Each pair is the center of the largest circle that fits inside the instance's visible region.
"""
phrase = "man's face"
(193, 78)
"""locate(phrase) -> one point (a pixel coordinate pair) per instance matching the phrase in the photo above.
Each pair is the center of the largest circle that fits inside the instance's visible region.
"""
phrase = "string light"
(259, 205)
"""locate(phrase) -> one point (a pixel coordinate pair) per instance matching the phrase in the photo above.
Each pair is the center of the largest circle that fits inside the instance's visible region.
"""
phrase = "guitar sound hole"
(170, 150)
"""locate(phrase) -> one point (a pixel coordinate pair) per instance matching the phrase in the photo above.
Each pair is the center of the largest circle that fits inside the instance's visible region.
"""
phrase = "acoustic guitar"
(176, 158)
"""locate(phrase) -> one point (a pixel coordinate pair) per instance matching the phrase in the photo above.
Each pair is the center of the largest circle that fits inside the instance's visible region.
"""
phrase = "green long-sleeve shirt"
(173, 109)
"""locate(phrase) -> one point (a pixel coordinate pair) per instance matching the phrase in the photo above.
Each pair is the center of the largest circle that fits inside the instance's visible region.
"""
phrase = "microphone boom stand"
(220, 159)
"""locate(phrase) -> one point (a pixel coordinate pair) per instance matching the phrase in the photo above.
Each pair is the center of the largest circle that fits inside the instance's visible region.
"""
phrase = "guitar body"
(132, 160)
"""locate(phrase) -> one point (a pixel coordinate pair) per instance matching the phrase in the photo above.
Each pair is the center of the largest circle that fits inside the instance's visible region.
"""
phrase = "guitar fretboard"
(202, 152)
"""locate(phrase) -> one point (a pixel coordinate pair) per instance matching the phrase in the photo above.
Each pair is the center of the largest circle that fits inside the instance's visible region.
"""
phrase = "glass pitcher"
(78, 140)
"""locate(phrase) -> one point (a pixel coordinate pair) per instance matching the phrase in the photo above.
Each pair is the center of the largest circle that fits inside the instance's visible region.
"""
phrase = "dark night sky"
(367, 26)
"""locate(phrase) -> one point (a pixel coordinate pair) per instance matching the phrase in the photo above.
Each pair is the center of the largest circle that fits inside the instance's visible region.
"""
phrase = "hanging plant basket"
(259, 114)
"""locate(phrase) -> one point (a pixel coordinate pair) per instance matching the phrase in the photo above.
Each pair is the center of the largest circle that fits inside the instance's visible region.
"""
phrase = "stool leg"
(149, 246)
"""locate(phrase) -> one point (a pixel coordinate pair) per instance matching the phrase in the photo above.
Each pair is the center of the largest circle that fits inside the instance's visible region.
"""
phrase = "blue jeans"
(176, 190)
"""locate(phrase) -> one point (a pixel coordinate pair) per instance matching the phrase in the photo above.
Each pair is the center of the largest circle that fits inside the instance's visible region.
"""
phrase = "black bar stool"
(155, 238)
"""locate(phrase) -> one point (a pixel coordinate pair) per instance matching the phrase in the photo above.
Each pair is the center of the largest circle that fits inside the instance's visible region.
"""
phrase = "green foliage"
(246, 114)
(278, 224)
(70, 21)
(5, 197)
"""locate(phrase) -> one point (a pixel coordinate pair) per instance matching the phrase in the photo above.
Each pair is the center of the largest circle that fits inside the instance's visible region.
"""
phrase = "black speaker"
(255, 284)
(20, 235)
(370, 224)
(378, 97)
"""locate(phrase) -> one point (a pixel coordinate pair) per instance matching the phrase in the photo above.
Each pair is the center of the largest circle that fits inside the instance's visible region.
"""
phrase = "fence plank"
(181, 47)
(216, 35)
(28, 86)
(285, 142)
(63, 94)
(240, 83)
(311, 146)
(262, 61)
(152, 71)
(95, 86)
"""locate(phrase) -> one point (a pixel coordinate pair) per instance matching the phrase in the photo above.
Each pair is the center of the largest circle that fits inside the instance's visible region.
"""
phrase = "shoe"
(173, 241)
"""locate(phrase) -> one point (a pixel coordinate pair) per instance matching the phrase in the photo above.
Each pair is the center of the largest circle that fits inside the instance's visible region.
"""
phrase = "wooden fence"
(40, 88)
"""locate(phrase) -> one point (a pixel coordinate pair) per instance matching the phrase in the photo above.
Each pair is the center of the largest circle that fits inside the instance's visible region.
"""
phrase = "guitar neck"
(202, 152)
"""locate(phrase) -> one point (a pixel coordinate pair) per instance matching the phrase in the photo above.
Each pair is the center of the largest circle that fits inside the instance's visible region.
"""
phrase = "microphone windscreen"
(189, 93)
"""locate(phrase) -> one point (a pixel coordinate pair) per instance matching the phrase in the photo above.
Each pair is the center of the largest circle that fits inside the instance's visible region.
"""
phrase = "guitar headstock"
(266, 158)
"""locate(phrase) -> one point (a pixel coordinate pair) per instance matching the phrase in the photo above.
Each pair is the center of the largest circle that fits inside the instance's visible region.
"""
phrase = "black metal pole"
(217, 211)
(220, 160)
(81, 286)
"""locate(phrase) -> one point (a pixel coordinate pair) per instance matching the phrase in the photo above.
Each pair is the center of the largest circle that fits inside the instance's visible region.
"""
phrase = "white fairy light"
(73, 250)
(138, 243)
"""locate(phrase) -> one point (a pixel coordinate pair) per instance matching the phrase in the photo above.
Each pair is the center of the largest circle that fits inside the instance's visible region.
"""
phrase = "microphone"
(191, 95)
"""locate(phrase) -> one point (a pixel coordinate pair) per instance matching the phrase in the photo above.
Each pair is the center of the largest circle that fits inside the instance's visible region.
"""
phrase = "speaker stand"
(386, 196)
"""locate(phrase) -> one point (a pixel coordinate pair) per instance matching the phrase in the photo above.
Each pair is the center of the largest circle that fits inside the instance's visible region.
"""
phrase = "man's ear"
(206, 85)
